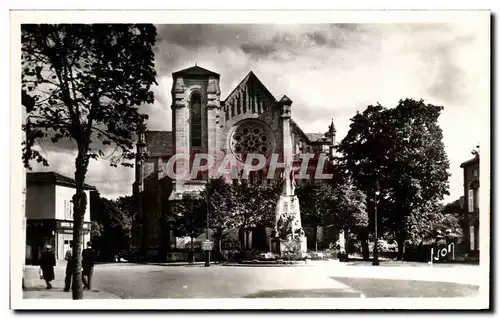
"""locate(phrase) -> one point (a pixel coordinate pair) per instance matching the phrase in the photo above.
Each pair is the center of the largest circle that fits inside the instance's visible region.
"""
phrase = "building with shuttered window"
(471, 204)
(49, 214)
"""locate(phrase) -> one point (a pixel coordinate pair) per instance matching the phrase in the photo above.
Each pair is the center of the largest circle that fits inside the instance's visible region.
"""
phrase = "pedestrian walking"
(190, 257)
(70, 268)
(47, 263)
(88, 261)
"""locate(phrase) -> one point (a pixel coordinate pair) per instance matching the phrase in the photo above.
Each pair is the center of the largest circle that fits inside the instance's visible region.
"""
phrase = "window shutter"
(470, 201)
(472, 238)
(65, 209)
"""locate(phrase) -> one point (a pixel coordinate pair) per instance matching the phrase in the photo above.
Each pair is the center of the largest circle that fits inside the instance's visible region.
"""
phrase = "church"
(250, 120)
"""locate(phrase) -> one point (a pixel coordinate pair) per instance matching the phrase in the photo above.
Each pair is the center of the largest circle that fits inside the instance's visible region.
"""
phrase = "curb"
(267, 265)
(195, 264)
(281, 264)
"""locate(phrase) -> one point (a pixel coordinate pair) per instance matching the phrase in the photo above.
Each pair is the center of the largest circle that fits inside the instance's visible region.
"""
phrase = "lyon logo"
(442, 252)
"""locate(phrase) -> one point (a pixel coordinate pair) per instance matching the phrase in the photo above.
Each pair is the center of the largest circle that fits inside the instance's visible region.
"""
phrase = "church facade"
(250, 120)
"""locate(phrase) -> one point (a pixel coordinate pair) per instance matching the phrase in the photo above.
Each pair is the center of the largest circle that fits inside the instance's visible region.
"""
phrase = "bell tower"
(195, 112)
(331, 134)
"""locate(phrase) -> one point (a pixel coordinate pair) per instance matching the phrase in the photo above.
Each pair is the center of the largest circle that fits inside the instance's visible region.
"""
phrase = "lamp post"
(375, 246)
(207, 253)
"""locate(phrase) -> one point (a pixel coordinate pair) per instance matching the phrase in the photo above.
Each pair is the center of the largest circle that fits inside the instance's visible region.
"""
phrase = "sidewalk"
(178, 264)
(35, 288)
(230, 263)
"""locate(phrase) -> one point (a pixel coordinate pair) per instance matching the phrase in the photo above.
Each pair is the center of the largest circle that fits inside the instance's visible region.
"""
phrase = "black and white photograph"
(299, 160)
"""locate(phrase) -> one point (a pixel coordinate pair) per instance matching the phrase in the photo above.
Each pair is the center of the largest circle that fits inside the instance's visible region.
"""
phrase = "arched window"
(196, 120)
(238, 105)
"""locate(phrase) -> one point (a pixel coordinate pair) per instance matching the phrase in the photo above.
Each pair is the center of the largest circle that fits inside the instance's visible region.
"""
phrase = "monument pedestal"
(288, 222)
(297, 245)
(288, 215)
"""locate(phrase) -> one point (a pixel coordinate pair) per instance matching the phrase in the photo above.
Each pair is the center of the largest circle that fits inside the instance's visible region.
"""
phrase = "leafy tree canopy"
(256, 203)
(113, 222)
(189, 218)
(317, 201)
(401, 150)
(222, 206)
(88, 81)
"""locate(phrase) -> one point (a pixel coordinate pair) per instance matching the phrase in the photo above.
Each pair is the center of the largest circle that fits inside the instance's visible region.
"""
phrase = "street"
(324, 279)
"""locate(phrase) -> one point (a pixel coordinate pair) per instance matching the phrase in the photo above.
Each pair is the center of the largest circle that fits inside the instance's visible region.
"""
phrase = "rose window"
(251, 138)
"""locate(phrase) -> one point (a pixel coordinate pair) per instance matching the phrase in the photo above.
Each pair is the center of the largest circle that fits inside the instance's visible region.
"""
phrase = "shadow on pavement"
(393, 288)
(305, 293)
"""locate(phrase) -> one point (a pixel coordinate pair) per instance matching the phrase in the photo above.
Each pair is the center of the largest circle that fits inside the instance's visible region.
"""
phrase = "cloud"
(254, 49)
(440, 54)
(449, 75)
(110, 182)
(283, 44)
(160, 114)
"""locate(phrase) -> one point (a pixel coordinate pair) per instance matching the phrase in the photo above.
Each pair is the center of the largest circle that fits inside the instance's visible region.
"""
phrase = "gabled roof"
(474, 160)
(296, 127)
(159, 143)
(53, 178)
(195, 71)
(251, 77)
(317, 137)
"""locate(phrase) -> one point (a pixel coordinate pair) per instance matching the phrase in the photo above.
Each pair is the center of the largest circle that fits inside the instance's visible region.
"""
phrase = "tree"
(114, 221)
(351, 214)
(256, 203)
(125, 206)
(222, 208)
(401, 149)
(317, 203)
(455, 209)
(420, 161)
(189, 217)
(88, 81)
(432, 224)
(96, 230)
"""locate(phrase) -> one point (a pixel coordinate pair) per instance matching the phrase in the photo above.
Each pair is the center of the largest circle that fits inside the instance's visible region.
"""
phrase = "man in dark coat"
(88, 261)
(47, 263)
(70, 268)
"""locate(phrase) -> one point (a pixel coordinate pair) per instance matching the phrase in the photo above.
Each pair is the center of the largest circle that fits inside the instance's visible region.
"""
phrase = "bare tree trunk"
(219, 246)
(245, 240)
(364, 244)
(400, 238)
(80, 205)
(315, 236)
(192, 248)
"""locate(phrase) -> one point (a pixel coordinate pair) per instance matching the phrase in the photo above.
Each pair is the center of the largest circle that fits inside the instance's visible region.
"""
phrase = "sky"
(329, 71)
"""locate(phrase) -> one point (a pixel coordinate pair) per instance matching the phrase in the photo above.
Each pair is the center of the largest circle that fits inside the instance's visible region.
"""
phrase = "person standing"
(88, 261)
(47, 263)
(70, 268)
